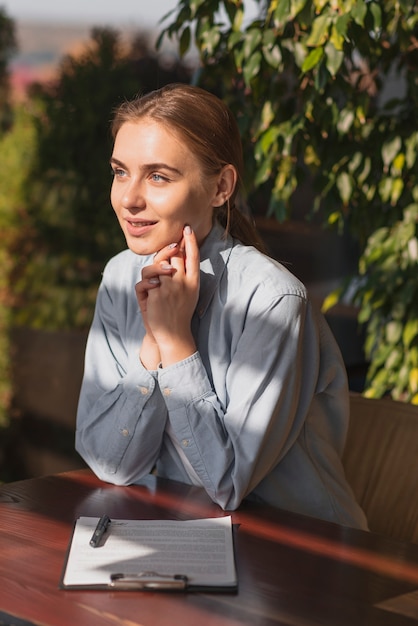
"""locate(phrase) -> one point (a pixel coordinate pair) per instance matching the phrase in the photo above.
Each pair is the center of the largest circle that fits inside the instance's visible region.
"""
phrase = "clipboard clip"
(150, 581)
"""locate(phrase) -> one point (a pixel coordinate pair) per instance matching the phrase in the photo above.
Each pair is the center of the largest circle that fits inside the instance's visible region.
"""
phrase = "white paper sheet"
(200, 549)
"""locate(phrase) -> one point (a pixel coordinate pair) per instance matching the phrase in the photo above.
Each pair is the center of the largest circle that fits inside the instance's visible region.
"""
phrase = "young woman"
(206, 362)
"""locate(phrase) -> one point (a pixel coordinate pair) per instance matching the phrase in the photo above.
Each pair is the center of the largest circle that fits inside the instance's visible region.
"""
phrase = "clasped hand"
(167, 296)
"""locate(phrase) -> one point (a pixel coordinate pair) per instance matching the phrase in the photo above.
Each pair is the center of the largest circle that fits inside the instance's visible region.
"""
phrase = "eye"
(158, 178)
(118, 172)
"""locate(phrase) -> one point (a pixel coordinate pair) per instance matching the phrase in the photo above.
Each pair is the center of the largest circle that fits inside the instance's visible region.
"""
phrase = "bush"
(325, 92)
(17, 150)
(71, 230)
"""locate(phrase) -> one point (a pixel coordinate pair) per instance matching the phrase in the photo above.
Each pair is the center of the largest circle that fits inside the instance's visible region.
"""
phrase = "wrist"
(149, 353)
(176, 350)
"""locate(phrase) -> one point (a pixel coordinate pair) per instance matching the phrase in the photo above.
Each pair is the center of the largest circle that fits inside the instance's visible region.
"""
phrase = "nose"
(133, 195)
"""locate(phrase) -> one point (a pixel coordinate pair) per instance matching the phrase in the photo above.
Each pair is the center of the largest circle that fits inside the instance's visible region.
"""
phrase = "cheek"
(113, 197)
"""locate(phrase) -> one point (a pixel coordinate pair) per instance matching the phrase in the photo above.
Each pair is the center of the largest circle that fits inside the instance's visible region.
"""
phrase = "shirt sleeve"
(270, 383)
(121, 415)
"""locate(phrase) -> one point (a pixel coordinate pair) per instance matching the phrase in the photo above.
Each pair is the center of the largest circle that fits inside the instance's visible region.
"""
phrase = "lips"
(140, 222)
(139, 227)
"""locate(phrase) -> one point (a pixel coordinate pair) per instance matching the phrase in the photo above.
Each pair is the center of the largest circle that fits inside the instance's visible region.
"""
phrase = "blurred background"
(47, 30)
(325, 112)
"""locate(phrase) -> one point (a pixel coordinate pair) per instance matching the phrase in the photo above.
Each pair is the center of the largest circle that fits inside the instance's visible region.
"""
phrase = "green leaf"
(376, 12)
(300, 51)
(282, 12)
(264, 170)
(346, 121)
(235, 13)
(411, 154)
(413, 380)
(195, 6)
(336, 39)
(385, 188)
(184, 43)
(312, 59)
(339, 29)
(410, 332)
(334, 218)
(267, 116)
(268, 138)
(396, 191)
(334, 58)
(234, 39)
(355, 162)
(319, 32)
(296, 7)
(398, 163)
(390, 149)
(345, 187)
(393, 332)
(252, 40)
(252, 67)
(362, 176)
(331, 300)
(238, 19)
(277, 208)
(394, 359)
(413, 250)
(271, 49)
(359, 11)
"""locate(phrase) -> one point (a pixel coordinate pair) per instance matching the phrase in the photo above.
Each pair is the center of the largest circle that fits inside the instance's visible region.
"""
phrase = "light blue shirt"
(259, 411)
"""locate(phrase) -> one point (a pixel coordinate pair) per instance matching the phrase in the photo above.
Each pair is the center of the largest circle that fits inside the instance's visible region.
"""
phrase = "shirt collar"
(214, 256)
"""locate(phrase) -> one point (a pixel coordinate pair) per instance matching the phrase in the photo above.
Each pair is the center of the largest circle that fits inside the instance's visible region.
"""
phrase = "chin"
(141, 249)
(138, 246)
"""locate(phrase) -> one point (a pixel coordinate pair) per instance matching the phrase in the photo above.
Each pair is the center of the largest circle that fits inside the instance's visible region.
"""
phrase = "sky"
(141, 13)
(98, 12)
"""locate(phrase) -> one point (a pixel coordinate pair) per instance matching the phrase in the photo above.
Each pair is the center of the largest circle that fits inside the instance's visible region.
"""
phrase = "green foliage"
(71, 230)
(17, 150)
(325, 91)
(389, 308)
(7, 48)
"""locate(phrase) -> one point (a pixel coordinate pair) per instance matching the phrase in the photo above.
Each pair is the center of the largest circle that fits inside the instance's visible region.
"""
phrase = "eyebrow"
(149, 167)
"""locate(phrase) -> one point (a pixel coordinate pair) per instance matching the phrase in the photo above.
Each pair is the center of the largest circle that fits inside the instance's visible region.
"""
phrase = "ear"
(225, 185)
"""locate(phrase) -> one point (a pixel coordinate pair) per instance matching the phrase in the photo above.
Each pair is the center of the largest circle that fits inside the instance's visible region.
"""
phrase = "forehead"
(146, 137)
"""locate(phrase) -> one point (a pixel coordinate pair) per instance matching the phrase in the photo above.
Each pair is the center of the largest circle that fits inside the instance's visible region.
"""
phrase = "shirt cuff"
(184, 382)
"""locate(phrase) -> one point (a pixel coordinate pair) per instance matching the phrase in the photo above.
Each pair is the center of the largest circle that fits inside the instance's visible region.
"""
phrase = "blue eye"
(118, 172)
(158, 178)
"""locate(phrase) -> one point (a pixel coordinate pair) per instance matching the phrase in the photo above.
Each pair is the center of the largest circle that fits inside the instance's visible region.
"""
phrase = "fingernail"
(165, 266)
(154, 281)
(188, 229)
(172, 245)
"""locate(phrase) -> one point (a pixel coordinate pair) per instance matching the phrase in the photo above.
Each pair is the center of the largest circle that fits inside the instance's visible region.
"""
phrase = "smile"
(138, 228)
(139, 224)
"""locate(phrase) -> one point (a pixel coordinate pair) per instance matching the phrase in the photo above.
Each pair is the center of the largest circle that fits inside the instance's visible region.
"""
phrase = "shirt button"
(185, 442)
(125, 432)
(143, 390)
(167, 391)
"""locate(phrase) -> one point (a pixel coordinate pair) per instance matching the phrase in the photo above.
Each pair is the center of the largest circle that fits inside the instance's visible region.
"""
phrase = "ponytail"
(239, 226)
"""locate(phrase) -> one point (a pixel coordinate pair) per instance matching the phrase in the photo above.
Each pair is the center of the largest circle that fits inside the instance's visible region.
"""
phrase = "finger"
(191, 253)
(151, 273)
(178, 259)
(141, 290)
(166, 253)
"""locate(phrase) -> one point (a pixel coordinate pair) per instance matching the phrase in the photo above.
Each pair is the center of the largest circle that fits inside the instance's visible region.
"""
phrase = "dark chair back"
(381, 464)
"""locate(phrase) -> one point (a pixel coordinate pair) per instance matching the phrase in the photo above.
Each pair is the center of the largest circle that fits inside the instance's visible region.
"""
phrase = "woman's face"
(158, 187)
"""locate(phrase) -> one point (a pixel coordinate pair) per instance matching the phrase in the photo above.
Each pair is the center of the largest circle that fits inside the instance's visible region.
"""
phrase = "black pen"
(101, 528)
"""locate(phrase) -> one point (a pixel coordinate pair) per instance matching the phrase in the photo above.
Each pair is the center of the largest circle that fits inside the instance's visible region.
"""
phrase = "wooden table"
(292, 570)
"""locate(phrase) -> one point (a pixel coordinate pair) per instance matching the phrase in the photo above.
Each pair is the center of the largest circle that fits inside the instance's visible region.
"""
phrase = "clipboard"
(151, 555)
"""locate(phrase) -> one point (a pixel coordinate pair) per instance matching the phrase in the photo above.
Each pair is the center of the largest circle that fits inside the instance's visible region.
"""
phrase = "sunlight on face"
(158, 187)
